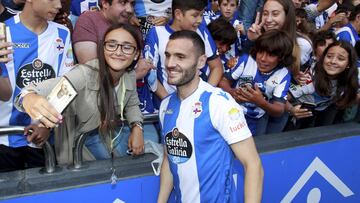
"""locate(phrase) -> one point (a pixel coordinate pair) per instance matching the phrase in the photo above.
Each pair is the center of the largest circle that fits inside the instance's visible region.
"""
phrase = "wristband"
(138, 124)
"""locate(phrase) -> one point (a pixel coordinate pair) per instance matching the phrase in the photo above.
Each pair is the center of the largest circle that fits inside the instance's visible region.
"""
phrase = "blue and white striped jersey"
(145, 8)
(347, 33)
(274, 85)
(197, 134)
(156, 41)
(35, 58)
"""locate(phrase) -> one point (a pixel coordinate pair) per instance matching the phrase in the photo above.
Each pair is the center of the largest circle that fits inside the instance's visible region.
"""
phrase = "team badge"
(59, 45)
(197, 109)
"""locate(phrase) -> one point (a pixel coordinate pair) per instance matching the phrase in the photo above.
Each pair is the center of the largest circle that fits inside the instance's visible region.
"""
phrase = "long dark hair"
(347, 81)
(277, 43)
(290, 28)
(107, 100)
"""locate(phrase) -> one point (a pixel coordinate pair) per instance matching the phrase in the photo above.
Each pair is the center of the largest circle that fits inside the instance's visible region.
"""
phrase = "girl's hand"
(299, 112)
(303, 78)
(41, 110)
(136, 141)
(255, 30)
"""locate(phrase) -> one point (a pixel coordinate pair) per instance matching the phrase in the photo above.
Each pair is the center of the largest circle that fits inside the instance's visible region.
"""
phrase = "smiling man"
(199, 137)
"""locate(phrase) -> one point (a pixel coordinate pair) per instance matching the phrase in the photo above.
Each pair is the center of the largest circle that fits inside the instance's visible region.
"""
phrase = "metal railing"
(80, 141)
(48, 150)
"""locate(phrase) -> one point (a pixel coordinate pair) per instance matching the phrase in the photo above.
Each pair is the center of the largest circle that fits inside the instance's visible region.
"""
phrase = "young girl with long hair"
(106, 97)
(334, 86)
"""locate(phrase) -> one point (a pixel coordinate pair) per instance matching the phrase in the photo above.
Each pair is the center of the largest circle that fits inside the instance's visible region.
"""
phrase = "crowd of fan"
(291, 64)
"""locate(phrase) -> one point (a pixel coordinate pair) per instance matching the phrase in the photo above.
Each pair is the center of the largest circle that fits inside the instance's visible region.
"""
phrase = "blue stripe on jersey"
(4, 72)
(171, 115)
(139, 8)
(212, 188)
(22, 56)
(63, 34)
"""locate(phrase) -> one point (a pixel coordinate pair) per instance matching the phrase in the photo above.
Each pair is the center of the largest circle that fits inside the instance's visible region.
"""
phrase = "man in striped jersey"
(202, 126)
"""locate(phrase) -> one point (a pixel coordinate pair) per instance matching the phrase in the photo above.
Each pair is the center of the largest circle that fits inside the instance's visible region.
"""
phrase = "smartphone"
(3, 32)
(62, 94)
(309, 106)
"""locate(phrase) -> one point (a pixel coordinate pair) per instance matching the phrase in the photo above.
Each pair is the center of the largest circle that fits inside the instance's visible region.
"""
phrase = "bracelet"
(138, 124)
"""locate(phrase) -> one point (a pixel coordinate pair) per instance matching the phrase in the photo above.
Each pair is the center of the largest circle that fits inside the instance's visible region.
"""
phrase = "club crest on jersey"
(197, 109)
(59, 45)
(35, 72)
(178, 146)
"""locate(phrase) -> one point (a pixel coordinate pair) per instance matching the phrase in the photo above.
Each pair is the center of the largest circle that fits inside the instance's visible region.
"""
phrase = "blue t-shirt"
(35, 58)
(274, 85)
(197, 134)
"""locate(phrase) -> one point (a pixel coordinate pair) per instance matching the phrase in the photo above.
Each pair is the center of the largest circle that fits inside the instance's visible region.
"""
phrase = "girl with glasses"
(107, 95)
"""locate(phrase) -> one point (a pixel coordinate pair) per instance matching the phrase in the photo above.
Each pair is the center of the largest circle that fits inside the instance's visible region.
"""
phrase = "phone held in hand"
(3, 33)
(62, 94)
(308, 105)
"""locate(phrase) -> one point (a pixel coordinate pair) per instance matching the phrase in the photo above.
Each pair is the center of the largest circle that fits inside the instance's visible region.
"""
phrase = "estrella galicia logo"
(36, 72)
(178, 146)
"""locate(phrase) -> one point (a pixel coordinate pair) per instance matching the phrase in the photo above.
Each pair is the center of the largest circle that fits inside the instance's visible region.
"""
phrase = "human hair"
(347, 81)
(236, 2)
(354, 13)
(221, 30)
(194, 37)
(319, 39)
(301, 13)
(276, 43)
(290, 28)
(106, 84)
(185, 5)
(104, 1)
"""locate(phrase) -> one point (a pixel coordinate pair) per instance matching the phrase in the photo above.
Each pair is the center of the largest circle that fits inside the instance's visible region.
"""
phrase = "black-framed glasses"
(125, 48)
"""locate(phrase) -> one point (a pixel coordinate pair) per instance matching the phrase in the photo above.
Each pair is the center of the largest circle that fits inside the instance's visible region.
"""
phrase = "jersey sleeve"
(229, 120)
(282, 89)
(344, 36)
(151, 48)
(210, 46)
(67, 62)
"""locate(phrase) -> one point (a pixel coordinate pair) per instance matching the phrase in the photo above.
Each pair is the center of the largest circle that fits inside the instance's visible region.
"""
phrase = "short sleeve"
(229, 120)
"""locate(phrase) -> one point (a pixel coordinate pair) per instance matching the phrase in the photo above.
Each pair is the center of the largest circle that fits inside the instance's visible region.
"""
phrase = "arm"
(325, 4)
(216, 71)
(255, 96)
(246, 152)
(225, 84)
(160, 91)
(166, 180)
(5, 89)
(85, 51)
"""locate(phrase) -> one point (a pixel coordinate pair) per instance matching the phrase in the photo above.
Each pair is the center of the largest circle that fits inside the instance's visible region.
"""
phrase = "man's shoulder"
(90, 15)
(53, 26)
